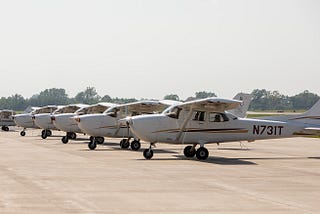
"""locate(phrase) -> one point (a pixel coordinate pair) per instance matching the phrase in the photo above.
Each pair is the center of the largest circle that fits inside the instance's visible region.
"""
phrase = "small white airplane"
(25, 120)
(106, 124)
(6, 119)
(43, 120)
(205, 121)
(65, 121)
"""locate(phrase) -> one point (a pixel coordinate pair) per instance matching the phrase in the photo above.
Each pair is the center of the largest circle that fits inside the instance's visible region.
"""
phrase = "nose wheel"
(148, 153)
(22, 133)
(92, 145)
(65, 139)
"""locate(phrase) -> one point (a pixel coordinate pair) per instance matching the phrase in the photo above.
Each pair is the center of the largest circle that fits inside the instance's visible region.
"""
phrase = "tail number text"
(269, 130)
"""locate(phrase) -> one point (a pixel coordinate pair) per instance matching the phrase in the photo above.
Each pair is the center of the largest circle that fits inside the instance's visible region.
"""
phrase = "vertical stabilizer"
(241, 111)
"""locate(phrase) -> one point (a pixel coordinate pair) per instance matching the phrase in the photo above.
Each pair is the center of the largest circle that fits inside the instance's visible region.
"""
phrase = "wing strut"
(184, 124)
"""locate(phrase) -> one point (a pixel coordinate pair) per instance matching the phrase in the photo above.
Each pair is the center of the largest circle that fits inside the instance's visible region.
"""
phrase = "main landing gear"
(5, 128)
(135, 144)
(70, 135)
(189, 151)
(94, 141)
(45, 133)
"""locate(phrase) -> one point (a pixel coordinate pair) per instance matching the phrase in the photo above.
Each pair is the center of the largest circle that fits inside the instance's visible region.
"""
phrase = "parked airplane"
(65, 121)
(106, 124)
(25, 120)
(43, 120)
(207, 121)
(6, 119)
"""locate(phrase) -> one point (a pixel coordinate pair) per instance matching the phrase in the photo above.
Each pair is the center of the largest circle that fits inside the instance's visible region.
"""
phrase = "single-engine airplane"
(65, 121)
(43, 120)
(6, 119)
(205, 121)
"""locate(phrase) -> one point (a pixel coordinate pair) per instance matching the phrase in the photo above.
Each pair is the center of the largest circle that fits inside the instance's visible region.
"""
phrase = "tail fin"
(241, 111)
(314, 110)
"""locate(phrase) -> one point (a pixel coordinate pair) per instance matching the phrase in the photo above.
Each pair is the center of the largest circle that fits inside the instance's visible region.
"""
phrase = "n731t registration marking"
(269, 130)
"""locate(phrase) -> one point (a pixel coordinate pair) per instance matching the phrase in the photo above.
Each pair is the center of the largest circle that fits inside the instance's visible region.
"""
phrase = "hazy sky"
(147, 49)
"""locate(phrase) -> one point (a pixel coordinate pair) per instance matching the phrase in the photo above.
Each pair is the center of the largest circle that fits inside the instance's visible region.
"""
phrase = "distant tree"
(304, 100)
(172, 97)
(269, 100)
(204, 94)
(52, 96)
(123, 100)
(15, 102)
(88, 96)
(106, 98)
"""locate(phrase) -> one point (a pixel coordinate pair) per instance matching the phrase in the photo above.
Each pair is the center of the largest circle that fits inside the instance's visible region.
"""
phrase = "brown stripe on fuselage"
(190, 130)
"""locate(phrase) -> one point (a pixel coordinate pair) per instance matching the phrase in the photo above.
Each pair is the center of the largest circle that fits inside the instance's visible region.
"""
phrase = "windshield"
(173, 112)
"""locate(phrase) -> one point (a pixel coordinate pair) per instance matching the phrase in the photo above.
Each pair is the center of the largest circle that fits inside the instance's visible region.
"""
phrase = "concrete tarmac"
(46, 176)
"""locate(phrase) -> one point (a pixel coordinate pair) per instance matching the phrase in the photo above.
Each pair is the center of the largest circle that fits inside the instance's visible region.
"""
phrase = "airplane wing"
(148, 106)
(212, 104)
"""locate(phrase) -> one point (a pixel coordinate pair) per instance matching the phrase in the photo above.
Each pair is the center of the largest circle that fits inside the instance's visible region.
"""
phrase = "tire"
(124, 144)
(92, 145)
(189, 151)
(91, 138)
(5, 128)
(49, 133)
(65, 139)
(202, 153)
(99, 140)
(148, 154)
(72, 135)
(44, 135)
(135, 145)
(22, 133)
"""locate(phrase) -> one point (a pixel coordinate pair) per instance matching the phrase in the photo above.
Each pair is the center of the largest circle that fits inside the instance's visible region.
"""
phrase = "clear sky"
(151, 48)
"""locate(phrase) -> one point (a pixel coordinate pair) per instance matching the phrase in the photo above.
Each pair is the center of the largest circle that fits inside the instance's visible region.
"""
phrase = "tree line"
(262, 99)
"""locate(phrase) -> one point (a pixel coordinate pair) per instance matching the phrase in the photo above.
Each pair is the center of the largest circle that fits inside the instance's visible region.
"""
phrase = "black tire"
(6, 128)
(189, 151)
(99, 140)
(124, 144)
(202, 153)
(148, 154)
(65, 139)
(92, 145)
(2, 128)
(91, 138)
(135, 145)
(43, 132)
(44, 135)
(72, 135)
(22, 133)
(49, 133)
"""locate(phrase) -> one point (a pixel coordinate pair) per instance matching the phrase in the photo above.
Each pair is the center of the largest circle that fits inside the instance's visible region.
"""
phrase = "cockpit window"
(218, 117)
(199, 115)
(173, 112)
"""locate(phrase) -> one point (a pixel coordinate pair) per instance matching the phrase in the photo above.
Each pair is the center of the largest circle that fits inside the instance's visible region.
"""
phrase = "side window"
(199, 116)
(217, 117)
